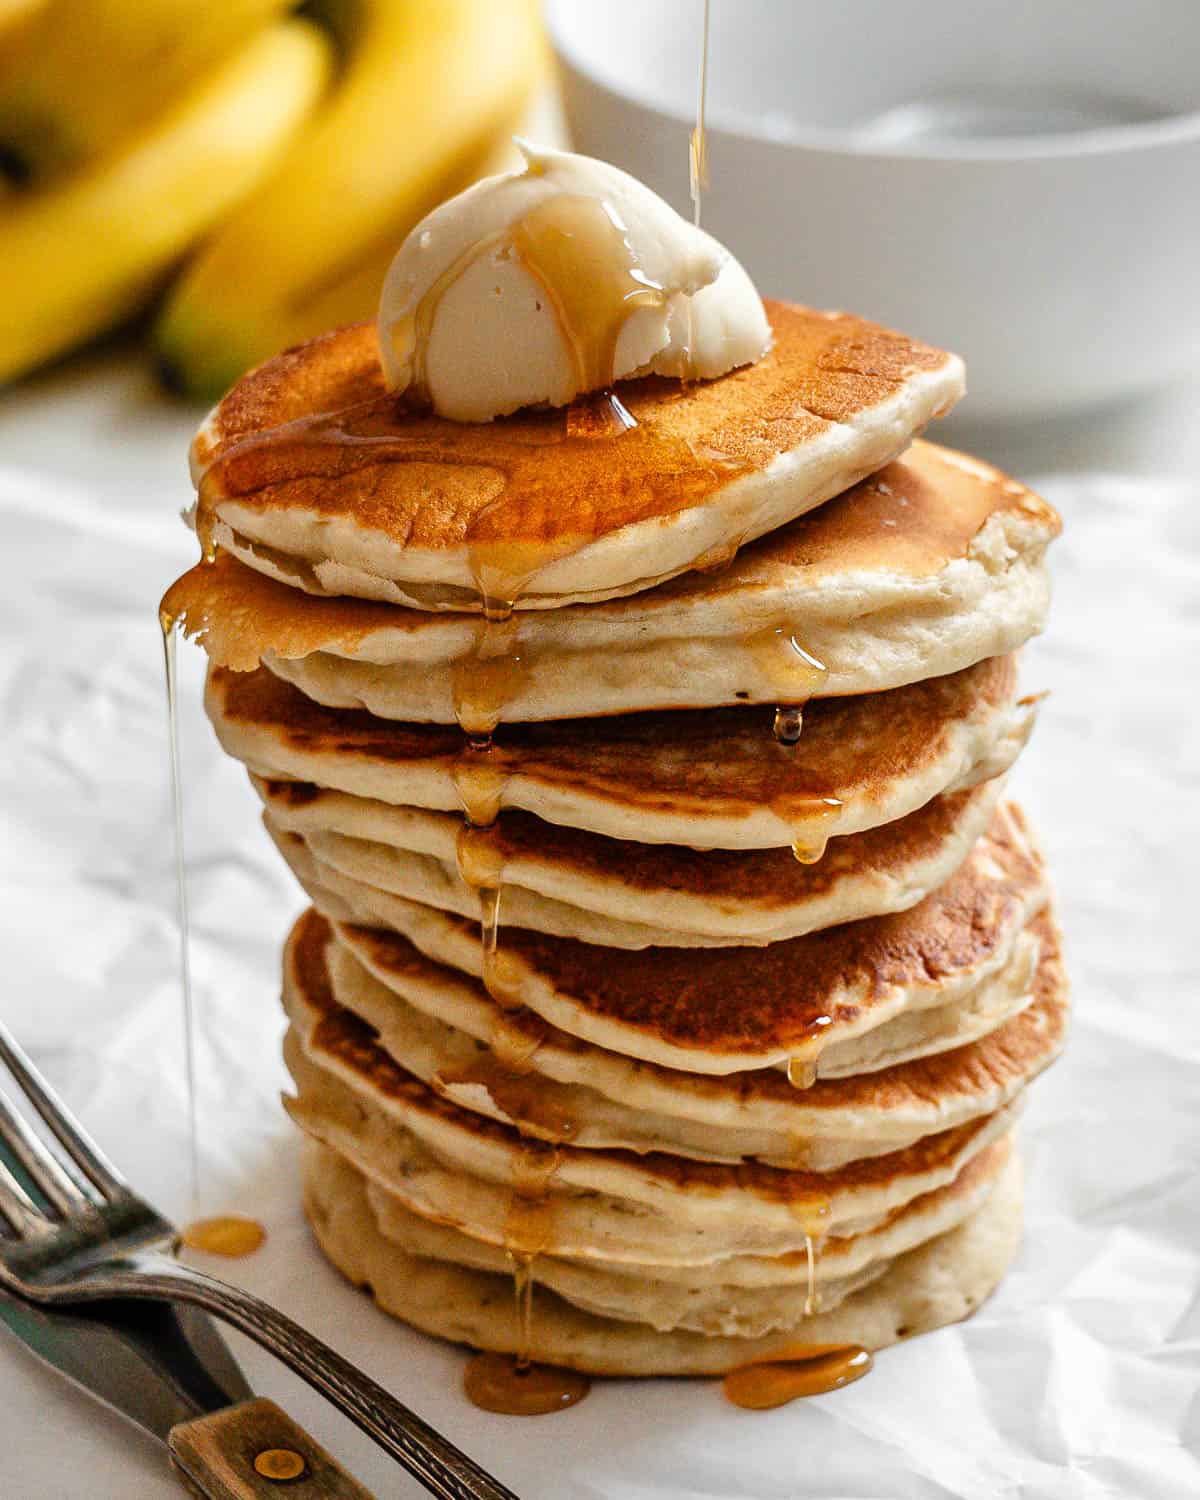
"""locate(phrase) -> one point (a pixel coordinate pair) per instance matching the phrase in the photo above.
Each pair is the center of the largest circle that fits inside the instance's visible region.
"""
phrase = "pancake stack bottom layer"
(674, 959)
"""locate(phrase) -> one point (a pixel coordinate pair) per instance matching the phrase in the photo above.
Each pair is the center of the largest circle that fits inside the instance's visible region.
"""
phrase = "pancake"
(309, 470)
(907, 1023)
(449, 1032)
(840, 1266)
(456, 1167)
(708, 779)
(651, 893)
(728, 1010)
(700, 1298)
(935, 1284)
(923, 569)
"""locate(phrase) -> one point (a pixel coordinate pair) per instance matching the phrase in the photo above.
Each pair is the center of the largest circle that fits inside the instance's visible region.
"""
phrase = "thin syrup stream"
(167, 624)
(698, 146)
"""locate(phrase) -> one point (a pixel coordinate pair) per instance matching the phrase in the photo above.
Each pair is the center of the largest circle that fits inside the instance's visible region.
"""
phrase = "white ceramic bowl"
(1017, 182)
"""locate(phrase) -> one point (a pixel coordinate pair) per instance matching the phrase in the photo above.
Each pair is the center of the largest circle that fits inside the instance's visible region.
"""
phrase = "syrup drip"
(530, 1221)
(812, 1212)
(524, 1099)
(528, 1229)
(806, 1370)
(522, 1274)
(809, 842)
(602, 416)
(167, 623)
(512, 1045)
(698, 176)
(810, 1256)
(786, 665)
(480, 784)
(488, 677)
(495, 1382)
(230, 1235)
(788, 725)
(803, 1064)
(802, 1071)
(205, 522)
(579, 251)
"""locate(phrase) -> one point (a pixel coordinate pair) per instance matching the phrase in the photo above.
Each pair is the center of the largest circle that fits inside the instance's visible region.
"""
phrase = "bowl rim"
(1180, 128)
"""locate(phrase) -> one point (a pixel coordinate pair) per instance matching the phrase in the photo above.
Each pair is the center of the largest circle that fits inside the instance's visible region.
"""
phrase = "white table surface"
(1079, 1379)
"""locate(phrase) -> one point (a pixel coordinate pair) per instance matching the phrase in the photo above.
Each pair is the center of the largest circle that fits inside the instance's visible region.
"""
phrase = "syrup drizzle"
(788, 725)
(805, 1370)
(796, 672)
(803, 1064)
(528, 1230)
(810, 1256)
(231, 1235)
(813, 1215)
(698, 176)
(167, 623)
(512, 1383)
(494, 1382)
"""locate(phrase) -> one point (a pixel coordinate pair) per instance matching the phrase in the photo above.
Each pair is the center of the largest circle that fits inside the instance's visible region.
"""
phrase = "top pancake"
(929, 565)
(375, 501)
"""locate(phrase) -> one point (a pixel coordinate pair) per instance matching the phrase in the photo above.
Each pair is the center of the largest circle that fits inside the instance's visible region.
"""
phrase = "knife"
(166, 1368)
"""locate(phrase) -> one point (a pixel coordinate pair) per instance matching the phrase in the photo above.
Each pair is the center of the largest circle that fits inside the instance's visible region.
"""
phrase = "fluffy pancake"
(709, 779)
(921, 570)
(713, 1299)
(727, 1010)
(651, 893)
(906, 1022)
(840, 1264)
(446, 1029)
(310, 470)
(937, 1283)
(460, 1168)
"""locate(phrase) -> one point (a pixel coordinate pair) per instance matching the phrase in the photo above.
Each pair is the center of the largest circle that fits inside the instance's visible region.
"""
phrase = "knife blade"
(154, 1363)
(167, 1369)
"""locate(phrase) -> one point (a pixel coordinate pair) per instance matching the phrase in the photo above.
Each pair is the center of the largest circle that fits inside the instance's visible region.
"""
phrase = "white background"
(1078, 1379)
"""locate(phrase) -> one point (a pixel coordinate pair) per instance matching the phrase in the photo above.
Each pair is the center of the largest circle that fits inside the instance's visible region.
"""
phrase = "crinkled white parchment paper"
(1078, 1379)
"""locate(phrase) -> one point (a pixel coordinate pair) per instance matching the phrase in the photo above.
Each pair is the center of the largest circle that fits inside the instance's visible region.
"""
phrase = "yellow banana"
(425, 89)
(81, 74)
(16, 21)
(81, 256)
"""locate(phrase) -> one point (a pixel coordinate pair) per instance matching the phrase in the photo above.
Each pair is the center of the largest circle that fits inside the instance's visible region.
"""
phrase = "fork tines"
(66, 1191)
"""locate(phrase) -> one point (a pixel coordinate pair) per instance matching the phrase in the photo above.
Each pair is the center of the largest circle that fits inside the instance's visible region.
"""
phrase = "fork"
(94, 1239)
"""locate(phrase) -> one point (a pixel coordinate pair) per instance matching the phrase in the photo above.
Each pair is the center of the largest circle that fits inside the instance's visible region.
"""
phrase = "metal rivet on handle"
(280, 1464)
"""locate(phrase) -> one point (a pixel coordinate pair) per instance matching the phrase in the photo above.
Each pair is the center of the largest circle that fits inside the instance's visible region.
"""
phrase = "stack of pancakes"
(672, 947)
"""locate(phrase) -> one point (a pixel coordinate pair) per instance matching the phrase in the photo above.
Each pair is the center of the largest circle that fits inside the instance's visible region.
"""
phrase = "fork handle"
(443, 1469)
(254, 1451)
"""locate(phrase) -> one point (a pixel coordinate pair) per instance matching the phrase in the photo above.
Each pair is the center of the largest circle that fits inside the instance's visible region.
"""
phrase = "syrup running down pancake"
(931, 564)
(709, 779)
(310, 470)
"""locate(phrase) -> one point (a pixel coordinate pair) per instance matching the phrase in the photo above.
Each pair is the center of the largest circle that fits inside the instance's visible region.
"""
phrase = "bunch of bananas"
(251, 170)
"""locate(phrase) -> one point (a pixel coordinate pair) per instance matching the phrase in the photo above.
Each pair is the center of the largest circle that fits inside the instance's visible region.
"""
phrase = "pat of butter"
(535, 287)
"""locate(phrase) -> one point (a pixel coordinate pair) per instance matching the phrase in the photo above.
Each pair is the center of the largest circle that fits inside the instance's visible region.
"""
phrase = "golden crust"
(911, 519)
(429, 481)
(773, 879)
(769, 999)
(350, 1045)
(724, 761)
(1005, 1057)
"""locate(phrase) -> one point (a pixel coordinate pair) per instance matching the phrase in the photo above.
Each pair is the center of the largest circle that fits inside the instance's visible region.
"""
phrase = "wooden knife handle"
(254, 1451)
